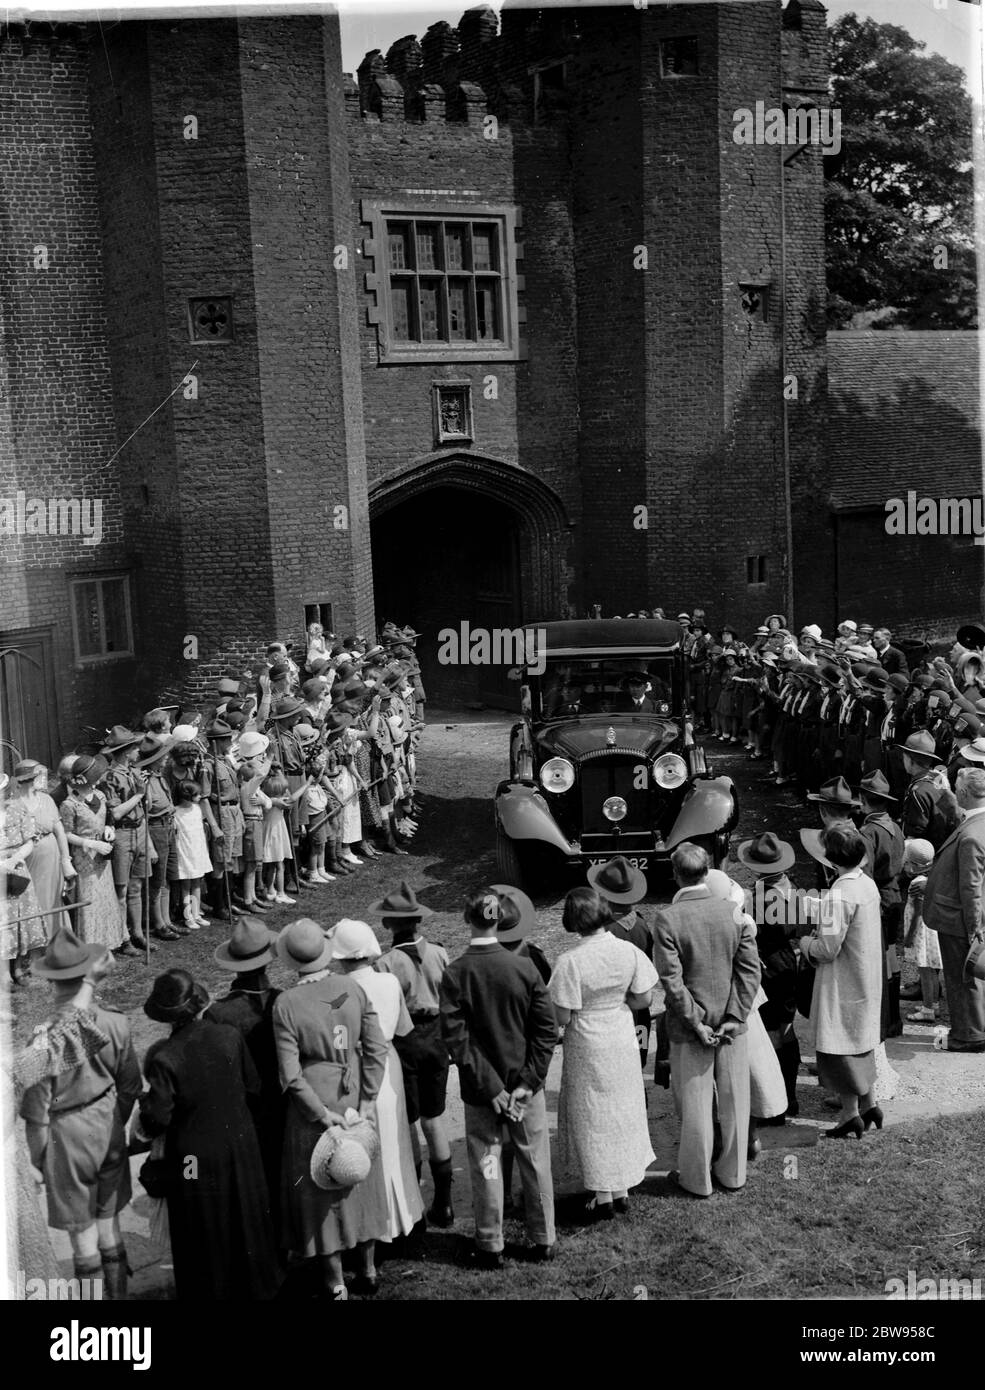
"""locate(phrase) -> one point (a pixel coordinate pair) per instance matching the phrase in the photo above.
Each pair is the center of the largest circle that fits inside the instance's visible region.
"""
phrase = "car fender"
(522, 813)
(710, 807)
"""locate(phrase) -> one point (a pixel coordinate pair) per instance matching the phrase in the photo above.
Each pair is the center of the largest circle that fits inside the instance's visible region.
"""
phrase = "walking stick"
(145, 912)
(225, 843)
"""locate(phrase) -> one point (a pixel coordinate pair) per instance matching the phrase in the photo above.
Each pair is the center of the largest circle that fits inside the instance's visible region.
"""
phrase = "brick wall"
(56, 422)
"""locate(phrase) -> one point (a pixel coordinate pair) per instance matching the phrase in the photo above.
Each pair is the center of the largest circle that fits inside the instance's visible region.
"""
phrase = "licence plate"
(641, 862)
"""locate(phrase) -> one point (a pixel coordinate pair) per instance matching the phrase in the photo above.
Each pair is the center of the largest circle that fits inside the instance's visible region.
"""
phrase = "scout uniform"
(222, 793)
(159, 809)
(131, 865)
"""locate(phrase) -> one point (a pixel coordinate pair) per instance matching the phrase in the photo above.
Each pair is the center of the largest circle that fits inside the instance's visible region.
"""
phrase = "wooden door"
(28, 722)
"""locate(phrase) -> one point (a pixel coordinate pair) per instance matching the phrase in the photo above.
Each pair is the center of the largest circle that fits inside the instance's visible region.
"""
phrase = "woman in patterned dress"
(84, 816)
(603, 1136)
(22, 931)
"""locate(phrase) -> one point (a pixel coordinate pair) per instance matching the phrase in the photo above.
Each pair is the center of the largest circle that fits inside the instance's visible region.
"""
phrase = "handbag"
(157, 1173)
(15, 882)
(804, 988)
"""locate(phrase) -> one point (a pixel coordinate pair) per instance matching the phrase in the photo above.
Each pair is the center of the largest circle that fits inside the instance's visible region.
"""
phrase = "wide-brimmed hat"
(336, 723)
(519, 916)
(618, 881)
(252, 745)
(876, 678)
(811, 840)
(218, 729)
(305, 733)
(830, 673)
(120, 737)
(66, 957)
(920, 746)
(174, 995)
(975, 750)
(353, 940)
(250, 947)
(344, 1157)
(974, 963)
(837, 792)
(304, 947)
(766, 854)
(402, 902)
(153, 748)
(876, 787)
(287, 706)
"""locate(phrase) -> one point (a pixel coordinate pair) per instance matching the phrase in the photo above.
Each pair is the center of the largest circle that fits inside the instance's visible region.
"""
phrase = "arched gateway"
(495, 541)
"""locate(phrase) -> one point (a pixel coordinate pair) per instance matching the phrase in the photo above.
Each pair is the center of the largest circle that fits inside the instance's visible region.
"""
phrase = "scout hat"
(286, 707)
(117, 739)
(518, 918)
(811, 840)
(304, 947)
(974, 751)
(618, 881)
(352, 940)
(344, 1157)
(152, 749)
(66, 957)
(920, 746)
(217, 730)
(402, 902)
(766, 854)
(837, 792)
(876, 787)
(252, 745)
(250, 947)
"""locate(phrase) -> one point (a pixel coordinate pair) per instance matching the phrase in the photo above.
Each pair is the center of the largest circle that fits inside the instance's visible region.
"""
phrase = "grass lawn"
(855, 1215)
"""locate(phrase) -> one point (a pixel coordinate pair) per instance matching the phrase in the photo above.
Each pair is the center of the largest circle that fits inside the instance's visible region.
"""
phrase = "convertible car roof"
(613, 636)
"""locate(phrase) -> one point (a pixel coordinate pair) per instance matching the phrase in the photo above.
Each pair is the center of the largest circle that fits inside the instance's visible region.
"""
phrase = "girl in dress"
(84, 815)
(276, 839)
(354, 949)
(194, 862)
(922, 945)
(49, 862)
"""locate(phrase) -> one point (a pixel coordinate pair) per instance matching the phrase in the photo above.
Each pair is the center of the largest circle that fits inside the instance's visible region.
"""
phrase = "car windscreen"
(575, 686)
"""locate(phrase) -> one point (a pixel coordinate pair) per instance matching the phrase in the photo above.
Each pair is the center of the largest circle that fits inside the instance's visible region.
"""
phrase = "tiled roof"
(904, 411)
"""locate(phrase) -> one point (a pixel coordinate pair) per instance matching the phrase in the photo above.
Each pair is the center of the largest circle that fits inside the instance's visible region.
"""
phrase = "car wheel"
(512, 864)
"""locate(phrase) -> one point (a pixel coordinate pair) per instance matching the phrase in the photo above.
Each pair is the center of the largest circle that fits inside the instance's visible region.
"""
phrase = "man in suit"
(498, 1023)
(954, 906)
(891, 659)
(635, 699)
(705, 953)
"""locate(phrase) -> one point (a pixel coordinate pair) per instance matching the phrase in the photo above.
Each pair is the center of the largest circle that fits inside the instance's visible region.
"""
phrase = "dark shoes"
(620, 1205)
(488, 1259)
(594, 1211)
(966, 1047)
(365, 1285)
(127, 949)
(540, 1254)
(851, 1129)
(163, 934)
(872, 1116)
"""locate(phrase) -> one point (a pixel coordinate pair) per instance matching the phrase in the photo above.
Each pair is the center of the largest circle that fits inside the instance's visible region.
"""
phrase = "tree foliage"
(899, 198)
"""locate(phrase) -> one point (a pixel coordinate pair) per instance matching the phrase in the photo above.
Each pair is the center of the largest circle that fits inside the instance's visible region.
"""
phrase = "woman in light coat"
(846, 951)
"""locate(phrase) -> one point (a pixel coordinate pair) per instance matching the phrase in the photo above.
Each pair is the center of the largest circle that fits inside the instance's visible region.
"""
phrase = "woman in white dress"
(354, 948)
(603, 1135)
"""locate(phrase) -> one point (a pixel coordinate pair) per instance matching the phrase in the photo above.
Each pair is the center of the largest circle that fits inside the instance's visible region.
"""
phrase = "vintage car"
(592, 776)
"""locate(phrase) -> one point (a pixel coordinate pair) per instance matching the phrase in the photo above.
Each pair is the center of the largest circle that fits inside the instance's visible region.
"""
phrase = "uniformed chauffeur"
(222, 794)
(159, 808)
(76, 1116)
(124, 790)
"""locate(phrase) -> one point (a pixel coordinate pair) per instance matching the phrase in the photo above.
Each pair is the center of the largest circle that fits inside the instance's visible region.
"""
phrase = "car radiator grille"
(602, 777)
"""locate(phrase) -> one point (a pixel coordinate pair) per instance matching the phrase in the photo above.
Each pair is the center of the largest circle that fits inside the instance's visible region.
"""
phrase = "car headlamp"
(670, 772)
(614, 808)
(557, 775)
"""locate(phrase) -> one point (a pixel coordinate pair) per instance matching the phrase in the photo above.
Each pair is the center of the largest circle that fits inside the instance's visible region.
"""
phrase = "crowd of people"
(294, 776)
(289, 1128)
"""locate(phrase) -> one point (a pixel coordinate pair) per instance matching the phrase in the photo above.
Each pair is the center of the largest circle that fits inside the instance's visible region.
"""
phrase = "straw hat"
(974, 751)
(344, 1157)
